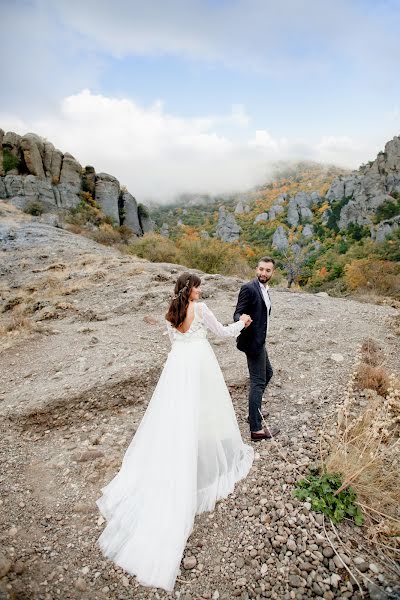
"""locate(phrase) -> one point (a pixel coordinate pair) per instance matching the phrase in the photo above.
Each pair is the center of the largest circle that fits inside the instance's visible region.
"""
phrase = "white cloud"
(158, 155)
(275, 37)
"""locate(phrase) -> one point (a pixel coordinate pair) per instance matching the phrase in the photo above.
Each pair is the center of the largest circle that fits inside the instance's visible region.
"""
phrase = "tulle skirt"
(186, 455)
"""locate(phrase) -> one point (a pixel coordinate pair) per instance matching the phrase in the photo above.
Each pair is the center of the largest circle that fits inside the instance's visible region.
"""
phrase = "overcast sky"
(202, 95)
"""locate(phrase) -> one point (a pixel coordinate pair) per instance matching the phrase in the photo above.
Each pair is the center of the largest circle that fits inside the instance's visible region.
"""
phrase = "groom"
(254, 300)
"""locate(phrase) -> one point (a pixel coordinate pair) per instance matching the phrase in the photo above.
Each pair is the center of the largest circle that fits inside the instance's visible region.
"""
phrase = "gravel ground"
(74, 389)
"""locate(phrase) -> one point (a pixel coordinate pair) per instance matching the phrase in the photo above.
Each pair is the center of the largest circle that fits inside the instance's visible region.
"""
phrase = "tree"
(293, 263)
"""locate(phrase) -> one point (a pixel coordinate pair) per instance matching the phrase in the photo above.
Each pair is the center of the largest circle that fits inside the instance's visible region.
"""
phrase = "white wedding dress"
(186, 454)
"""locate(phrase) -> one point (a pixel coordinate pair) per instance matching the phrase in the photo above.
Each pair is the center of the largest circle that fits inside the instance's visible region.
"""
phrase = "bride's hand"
(246, 320)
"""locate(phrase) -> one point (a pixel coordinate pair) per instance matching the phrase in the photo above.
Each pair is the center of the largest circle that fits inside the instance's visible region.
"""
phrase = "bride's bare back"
(185, 326)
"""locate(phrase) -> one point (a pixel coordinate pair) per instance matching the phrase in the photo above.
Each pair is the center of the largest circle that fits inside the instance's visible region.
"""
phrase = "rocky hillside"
(32, 170)
(82, 344)
(366, 200)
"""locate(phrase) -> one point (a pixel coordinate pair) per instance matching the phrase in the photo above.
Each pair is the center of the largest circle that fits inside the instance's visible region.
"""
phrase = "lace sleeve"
(169, 331)
(212, 323)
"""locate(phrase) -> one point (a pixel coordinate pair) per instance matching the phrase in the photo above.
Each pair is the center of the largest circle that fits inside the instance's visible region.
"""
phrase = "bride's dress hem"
(206, 501)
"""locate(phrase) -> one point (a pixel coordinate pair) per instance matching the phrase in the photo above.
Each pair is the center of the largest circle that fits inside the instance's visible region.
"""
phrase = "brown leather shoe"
(265, 415)
(265, 435)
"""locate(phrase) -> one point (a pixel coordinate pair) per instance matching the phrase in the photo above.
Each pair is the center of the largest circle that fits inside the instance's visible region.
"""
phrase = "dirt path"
(74, 391)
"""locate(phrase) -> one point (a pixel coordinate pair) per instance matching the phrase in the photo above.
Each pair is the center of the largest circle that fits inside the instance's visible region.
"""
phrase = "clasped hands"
(247, 320)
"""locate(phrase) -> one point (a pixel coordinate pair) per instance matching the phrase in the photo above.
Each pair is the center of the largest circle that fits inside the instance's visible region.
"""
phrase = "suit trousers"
(260, 371)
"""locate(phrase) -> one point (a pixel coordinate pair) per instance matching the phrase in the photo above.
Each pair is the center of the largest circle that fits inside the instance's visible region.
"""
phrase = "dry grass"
(362, 443)
(369, 377)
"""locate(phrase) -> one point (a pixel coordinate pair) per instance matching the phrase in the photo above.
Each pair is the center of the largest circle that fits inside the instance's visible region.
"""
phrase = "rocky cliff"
(33, 170)
(362, 192)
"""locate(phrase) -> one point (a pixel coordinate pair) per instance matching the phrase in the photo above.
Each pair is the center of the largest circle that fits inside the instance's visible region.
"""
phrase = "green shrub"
(321, 490)
(389, 209)
(10, 161)
(334, 213)
(143, 211)
(214, 256)
(155, 248)
(34, 208)
(357, 232)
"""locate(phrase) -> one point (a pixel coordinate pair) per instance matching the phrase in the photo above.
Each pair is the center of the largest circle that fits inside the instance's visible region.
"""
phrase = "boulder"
(261, 217)
(71, 172)
(107, 195)
(66, 196)
(293, 214)
(227, 228)
(32, 147)
(147, 223)
(279, 239)
(308, 231)
(275, 210)
(303, 199)
(316, 198)
(281, 198)
(164, 231)
(19, 190)
(12, 142)
(305, 214)
(239, 208)
(14, 185)
(52, 161)
(385, 229)
(393, 183)
(130, 212)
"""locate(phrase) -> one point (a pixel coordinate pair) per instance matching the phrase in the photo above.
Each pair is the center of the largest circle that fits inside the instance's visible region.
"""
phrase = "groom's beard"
(263, 278)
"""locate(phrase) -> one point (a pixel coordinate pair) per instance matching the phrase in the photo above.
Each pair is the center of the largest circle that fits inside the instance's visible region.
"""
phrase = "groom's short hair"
(266, 259)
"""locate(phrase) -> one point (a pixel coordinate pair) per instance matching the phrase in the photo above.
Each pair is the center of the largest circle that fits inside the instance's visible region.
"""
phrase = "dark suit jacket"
(251, 302)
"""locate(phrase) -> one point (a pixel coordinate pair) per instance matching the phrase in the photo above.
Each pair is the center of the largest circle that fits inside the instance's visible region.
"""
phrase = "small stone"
(215, 595)
(80, 584)
(335, 578)
(361, 564)
(338, 358)
(375, 592)
(85, 570)
(19, 567)
(89, 455)
(317, 588)
(374, 568)
(240, 562)
(328, 552)
(125, 581)
(189, 562)
(292, 546)
(295, 581)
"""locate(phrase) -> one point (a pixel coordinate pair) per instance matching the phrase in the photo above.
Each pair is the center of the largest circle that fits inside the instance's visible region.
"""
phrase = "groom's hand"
(247, 320)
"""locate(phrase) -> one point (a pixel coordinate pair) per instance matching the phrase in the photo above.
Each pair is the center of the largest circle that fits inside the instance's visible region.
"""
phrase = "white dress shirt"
(267, 300)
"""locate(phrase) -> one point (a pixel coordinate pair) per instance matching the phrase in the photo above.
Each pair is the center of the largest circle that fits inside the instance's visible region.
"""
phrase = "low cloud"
(158, 155)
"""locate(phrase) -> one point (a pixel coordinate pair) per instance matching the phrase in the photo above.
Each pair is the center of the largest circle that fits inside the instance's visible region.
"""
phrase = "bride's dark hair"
(179, 304)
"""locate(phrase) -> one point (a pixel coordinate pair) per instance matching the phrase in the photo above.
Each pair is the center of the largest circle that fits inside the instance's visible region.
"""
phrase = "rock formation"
(33, 170)
(363, 191)
(227, 229)
(279, 239)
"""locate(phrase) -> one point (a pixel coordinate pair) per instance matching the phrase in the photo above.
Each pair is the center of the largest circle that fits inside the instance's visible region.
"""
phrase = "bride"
(186, 454)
